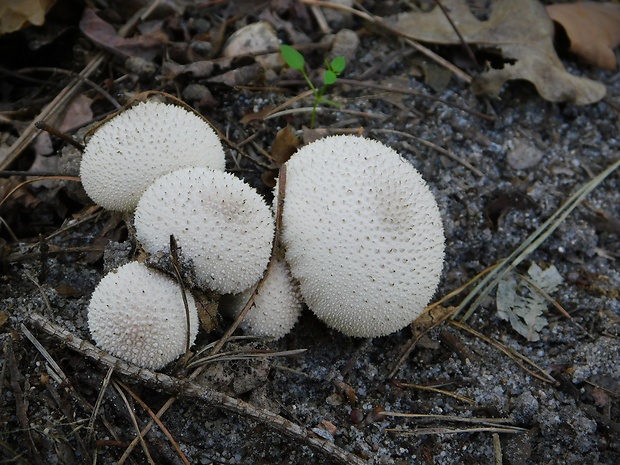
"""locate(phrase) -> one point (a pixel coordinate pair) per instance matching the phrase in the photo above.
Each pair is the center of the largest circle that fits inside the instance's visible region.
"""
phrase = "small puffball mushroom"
(363, 235)
(277, 306)
(138, 314)
(221, 224)
(136, 146)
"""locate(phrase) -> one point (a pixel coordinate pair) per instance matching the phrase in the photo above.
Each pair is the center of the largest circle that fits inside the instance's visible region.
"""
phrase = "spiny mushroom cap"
(277, 306)
(221, 224)
(132, 149)
(363, 235)
(138, 314)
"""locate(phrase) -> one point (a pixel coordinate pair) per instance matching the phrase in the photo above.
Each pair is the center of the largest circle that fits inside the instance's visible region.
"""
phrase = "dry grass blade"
(409, 39)
(97, 406)
(30, 181)
(242, 355)
(189, 389)
(517, 357)
(528, 246)
(439, 430)
(453, 418)
(158, 421)
(132, 415)
(21, 405)
(421, 387)
(295, 111)
(439, 149)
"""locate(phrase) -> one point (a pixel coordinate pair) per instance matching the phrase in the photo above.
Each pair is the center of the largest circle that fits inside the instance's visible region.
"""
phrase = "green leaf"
(292, 57)
(329, 77)
(338, 65)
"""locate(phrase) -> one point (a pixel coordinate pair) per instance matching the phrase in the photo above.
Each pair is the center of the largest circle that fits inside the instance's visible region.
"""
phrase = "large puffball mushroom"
(137, 145)
(138, 314)
(277, 305)
(363, 235)
(221, 224)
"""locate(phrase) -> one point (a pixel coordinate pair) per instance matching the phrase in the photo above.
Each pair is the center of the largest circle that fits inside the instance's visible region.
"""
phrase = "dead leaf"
(592, 28)
(523, 34)
(284, 145)
(17, 14)
(147, 45)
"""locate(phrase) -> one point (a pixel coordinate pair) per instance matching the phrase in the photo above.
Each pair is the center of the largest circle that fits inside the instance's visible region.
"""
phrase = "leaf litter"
(520, 301)
(592, 28)
(520, 32)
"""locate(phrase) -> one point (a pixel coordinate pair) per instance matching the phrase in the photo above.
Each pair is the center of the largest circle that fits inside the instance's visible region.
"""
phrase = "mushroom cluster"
(164, 161)
(362, 235)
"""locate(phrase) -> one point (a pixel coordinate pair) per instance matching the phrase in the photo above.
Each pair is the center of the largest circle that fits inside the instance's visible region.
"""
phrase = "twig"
(466, 46)
(176, 266)
(188, 388)
(43, 126)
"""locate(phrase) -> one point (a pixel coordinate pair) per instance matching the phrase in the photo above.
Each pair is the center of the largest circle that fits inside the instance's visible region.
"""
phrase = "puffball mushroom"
(363, 235)
(137, 145)
(277, 306)
(221, 224)
(138, 314)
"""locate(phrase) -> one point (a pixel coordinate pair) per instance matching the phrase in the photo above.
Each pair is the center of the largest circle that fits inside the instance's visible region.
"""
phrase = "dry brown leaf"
(16, 14)
(284, 145)
(522, 32)
(147, 45)
(592, 28)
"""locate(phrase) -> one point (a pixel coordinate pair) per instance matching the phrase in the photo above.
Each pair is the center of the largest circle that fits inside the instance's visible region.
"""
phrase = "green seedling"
(332, 70)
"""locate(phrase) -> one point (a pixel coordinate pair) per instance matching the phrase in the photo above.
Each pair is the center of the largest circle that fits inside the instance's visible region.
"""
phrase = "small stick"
(190, 389)
(466, 46)
(43, 126)
(176, 265)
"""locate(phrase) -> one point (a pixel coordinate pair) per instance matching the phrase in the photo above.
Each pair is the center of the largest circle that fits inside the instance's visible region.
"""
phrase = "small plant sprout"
(332, 70)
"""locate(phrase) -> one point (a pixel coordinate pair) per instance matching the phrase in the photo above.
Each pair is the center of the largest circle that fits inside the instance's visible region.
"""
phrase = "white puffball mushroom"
(221, 224)
(363, 235)
(138, 314)
(137, 145)
(277, 306)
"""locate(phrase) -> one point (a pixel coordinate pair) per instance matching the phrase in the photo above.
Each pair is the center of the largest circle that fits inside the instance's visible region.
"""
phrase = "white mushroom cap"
(277, 306)
(363, 235)
(137, 314)
(136, 146)
(221, 224)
